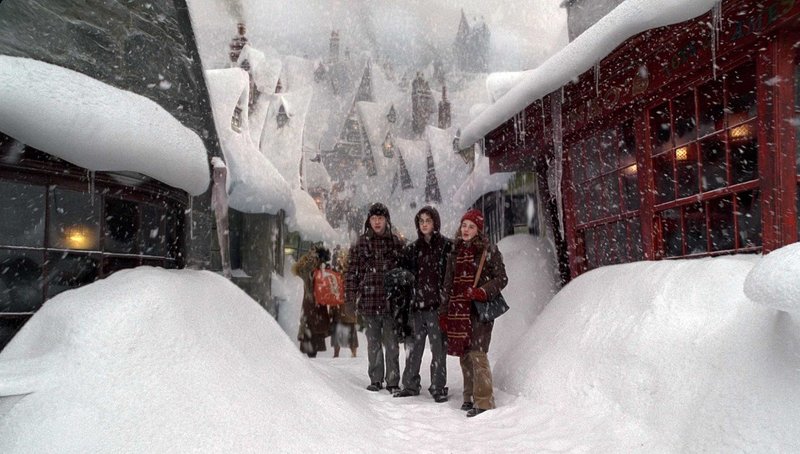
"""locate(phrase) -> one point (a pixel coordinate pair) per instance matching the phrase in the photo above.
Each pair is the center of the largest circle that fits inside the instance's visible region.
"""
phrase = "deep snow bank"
(673, 345)
(152, 360)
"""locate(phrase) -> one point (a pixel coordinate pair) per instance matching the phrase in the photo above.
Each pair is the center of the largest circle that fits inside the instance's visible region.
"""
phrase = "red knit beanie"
(476, 217)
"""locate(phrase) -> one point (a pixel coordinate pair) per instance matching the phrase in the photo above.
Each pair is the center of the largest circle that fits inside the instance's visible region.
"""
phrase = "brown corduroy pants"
(477, 379)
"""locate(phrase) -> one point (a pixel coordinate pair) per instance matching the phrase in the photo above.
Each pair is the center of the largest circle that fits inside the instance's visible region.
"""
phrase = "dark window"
(121, 226)
(153, 240)
(711, 109)
(748, 218)
(22, 214)
(664, 179)
(685, 118)
(671, 232)
(720, 224)
(695, 221)
(686, 168)
(660, 128)
(20, 280)
(66, 270)
(713, 160)
(744, 152)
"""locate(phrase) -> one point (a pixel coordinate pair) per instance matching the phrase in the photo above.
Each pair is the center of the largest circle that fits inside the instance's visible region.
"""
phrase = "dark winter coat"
(370, 258)
(493, 279)
(315, 318)
(427, 261)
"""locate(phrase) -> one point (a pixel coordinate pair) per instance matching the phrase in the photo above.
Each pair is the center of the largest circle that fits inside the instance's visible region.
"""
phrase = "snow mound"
(153, 360)
(672, 346)
(774, 281)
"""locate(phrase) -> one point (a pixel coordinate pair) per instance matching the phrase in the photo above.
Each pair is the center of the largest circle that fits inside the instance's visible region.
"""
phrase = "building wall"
(582, 14)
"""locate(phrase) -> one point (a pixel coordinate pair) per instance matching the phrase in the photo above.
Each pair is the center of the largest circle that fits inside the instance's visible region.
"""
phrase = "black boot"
(406, 392)
(392, 389)
(374, 387)
(467, 406)
(475, 412)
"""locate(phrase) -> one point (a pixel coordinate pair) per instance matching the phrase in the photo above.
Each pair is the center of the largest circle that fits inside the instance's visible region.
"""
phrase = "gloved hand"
(443, 323)
(477, 294)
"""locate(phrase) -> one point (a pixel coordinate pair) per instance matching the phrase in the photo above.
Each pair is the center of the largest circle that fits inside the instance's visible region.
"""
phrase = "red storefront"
(680, 143)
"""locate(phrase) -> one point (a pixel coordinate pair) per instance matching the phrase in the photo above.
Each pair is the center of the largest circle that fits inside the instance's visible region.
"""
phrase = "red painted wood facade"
(676, 147)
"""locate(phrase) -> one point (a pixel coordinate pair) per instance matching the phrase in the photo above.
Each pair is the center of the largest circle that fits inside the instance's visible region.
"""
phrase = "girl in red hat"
(467, 337)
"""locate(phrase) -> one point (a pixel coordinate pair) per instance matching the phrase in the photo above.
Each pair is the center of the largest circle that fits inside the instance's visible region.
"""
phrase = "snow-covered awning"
(626, 20)
(254, 184)
(96, 126)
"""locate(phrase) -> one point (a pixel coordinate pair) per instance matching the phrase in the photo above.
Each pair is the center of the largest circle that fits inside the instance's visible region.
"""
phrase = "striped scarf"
(459, 326)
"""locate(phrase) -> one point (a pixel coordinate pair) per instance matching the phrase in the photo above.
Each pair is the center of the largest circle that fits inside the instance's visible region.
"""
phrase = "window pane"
(712, 114)
(671, 231)
(121, 227)
(695, 218)
(660, 129)
(664, 180)
(635, 247)
(174, 225)
(748, 218)
(712, 153)
(611, 182)
(744, 152)
(604, 248)
(111, 264)
(626, 139)
(580, 204)
(720, 220)
(20, 280)
(153, 237)
(22, 214)
(592, 160)
(687, 170)
(685, 122)
(608, 150)
(594, 197)
(741, 94)
(630, 189)
(73, 220)
(67, 270)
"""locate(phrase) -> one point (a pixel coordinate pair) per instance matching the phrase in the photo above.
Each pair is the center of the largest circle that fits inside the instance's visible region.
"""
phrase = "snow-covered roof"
(254, 184)
(96, 126)
(283, 145)
(314, 174)
(310, 222)
(628, 19)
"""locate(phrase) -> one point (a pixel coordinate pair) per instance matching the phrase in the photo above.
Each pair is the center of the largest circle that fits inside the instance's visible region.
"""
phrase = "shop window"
(153, 239)
(741, 90)
(635, 247)
(627, 144)
(66, 270)
(621, 240)
(660, 128)
(121, 226)
(73, 220)
(113, 263)
(685, 118)
(748, 218)
(612, 198)
(22, 214)
(712, 152)
(664, 179)
(711, 108)
(20, 280)
(720, 224)
(608, 151)
(671, 233)
(694, 218)
(591, 256)
(687, 170)
(744, 152)
(630, 188)
(592, 158)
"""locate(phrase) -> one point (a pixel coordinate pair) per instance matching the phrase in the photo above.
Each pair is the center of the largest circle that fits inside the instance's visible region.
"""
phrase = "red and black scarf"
(459, 327)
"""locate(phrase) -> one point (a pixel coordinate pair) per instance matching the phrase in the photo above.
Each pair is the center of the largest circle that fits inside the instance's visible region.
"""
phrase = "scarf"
(459, 326)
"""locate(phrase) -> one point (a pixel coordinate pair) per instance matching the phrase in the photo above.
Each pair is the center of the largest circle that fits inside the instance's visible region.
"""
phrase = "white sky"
(666, 356)
(524, 32)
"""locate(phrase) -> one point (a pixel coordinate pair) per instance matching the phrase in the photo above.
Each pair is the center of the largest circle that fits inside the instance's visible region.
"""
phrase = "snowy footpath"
(671, 356)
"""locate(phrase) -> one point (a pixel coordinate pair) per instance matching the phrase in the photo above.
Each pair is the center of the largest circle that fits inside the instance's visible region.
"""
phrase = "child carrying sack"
(328, 287)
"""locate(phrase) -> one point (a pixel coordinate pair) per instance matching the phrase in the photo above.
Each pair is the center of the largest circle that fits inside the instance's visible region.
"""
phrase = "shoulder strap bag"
(493, 308)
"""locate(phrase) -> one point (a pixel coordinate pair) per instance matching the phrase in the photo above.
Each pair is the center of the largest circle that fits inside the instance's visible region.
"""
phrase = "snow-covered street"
(644, 357)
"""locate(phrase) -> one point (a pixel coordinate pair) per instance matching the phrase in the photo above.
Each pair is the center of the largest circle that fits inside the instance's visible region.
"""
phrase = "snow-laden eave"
(626, 20)
(96, 126)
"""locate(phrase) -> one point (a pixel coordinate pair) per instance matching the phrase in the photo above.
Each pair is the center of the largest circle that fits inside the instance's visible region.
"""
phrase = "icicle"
(596, 80)
(716, 25)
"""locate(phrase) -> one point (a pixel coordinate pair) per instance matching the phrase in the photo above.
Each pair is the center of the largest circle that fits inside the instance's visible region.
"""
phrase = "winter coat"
(315, 317)
(427, 261)
(370, 258)
(493, 279)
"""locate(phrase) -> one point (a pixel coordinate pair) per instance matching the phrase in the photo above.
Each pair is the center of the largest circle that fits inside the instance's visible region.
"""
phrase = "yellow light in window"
(682, 153)
(630, 170)
(77, 237)
(742, 131)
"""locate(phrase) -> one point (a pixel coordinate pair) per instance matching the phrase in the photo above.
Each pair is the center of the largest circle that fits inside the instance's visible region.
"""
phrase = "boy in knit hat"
(377, 251)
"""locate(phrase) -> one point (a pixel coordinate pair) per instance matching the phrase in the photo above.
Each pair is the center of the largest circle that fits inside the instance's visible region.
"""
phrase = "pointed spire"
(279, 86)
